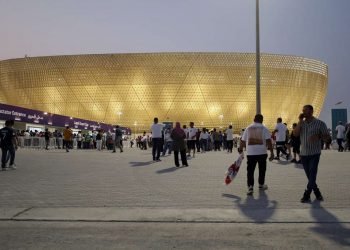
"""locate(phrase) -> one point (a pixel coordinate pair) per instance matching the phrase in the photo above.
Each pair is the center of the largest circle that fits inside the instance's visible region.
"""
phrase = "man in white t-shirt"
(280, 131)
(229, 138)
(256, 138)
(191, 139)
(340, 129)
(157, 139)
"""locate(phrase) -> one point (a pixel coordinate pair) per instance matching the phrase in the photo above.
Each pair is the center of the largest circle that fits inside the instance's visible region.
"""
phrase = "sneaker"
(177, 166)
(185, 165)
(13, 166)
(276, 158)
(158, 160)
(294, 161)
(263, 187)
(250, 190)
(318, 194)
(306, 197)
(4, 169)
(299, 162)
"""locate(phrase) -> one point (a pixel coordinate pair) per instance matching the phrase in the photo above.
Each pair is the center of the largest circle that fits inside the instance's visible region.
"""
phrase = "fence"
(40, 143)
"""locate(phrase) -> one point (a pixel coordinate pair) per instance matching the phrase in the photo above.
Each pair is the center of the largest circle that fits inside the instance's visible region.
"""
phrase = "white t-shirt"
(229, 134)
(255, 137)
(157, 130)
(26, 135)
(341, 130)
(186, 132)
(281, 134)
(192, 134)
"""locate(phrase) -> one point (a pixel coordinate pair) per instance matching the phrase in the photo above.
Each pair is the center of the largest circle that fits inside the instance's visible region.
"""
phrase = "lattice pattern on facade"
(211, 89)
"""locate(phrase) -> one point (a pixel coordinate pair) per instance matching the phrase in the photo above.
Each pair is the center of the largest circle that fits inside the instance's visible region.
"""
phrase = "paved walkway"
(83, 185)
(61, 200)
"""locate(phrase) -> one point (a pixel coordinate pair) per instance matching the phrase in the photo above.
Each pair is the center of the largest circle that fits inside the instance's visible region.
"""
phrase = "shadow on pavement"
(337, 232)
(299, 166)
(258, 209)
(168, 170)
(284, 163)
(140, 163)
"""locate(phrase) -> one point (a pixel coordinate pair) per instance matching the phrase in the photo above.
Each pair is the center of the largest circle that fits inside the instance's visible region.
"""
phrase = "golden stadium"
(210, 89)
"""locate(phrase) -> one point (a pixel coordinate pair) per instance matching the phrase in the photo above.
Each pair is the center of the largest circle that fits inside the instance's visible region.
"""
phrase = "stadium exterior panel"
(210, 89)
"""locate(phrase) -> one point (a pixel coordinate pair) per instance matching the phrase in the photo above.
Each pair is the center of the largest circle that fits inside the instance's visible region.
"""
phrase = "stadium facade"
(210, 89)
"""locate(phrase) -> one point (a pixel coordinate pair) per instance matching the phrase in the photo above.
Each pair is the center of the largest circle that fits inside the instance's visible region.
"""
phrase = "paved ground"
(83, 235)
(131, 179)
(87, 189)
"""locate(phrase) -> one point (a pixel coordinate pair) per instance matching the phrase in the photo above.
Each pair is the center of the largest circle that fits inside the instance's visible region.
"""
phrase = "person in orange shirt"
(67, 137)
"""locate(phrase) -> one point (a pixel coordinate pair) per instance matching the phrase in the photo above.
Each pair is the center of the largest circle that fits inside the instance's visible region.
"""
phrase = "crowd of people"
(303, 144)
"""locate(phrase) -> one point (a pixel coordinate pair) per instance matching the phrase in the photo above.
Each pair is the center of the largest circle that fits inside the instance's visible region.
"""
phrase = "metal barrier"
(40, 143)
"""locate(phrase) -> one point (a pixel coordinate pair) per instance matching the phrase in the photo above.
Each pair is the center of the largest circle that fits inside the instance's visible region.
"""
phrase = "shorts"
(296, 149)
(280, 144)
(191, 144)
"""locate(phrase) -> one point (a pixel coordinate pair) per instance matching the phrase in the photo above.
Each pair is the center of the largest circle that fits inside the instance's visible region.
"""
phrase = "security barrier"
(40, 143)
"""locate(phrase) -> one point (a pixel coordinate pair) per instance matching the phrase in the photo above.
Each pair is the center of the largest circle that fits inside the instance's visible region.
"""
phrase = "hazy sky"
(316, 29)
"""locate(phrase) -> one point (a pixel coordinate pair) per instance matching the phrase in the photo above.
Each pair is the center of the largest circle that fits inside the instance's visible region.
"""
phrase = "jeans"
(156, 148)
(99, 145)
(310, 164)
(252, 160)
(204, 143)
(4, 158)
(167, 146)
(118, 143)
(340, 144)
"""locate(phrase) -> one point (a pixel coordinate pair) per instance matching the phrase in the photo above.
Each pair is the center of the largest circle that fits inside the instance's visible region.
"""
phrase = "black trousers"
(340, 144)
(280, 146)
(216, 145)
(252, 161)
(183, 157)
(156, 148)
(229, 145)
(4, 158)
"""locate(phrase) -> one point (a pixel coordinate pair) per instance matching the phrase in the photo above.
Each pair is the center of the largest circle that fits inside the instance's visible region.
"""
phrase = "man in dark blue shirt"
(8, 145)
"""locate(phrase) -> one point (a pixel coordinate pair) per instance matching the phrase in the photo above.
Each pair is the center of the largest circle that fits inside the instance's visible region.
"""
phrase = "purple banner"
(8, 112)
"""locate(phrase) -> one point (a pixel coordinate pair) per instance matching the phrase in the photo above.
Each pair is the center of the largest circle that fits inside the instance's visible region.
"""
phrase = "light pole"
(258, 97)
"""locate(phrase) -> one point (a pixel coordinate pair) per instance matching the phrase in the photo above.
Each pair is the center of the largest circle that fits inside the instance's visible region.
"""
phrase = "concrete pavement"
(100, 187)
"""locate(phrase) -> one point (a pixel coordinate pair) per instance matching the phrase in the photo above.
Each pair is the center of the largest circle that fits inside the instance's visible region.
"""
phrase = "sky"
(317, 29)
